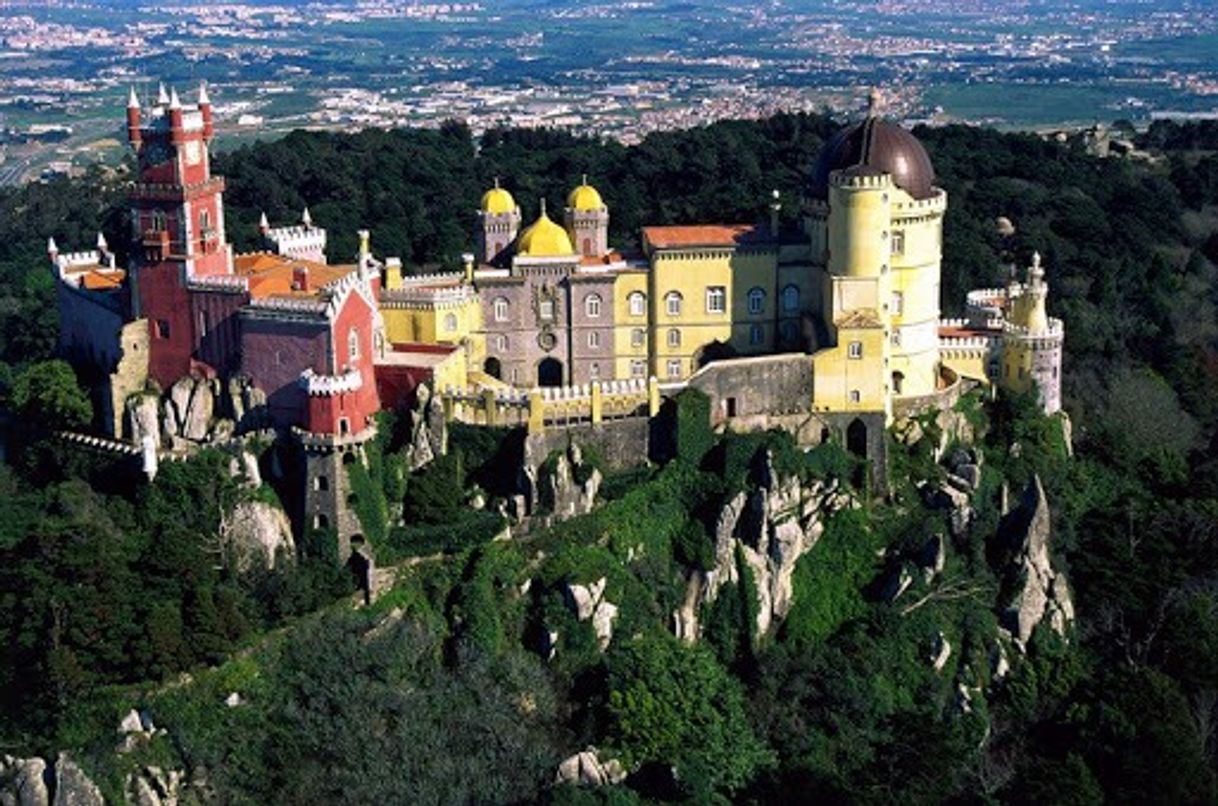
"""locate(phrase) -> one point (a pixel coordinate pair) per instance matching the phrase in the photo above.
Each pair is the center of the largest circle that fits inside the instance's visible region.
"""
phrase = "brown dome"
(880, 145)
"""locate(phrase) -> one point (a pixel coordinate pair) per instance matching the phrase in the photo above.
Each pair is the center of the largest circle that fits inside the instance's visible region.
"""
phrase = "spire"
(496, 183)
(52, 247)
(102, 246)
(162, 97)
(305, 218)
(132, 101)
(583, 179)
(204, 98)
(875, 103)
(174, 101)
(543, 208)
(263, 224)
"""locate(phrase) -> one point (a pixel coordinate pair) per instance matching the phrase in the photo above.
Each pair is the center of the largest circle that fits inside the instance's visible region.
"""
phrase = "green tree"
(47, 392)
(674, 704)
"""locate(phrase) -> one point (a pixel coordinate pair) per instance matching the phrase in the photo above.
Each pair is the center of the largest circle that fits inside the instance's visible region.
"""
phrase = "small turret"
(52, 249)
(175, 118)
(264, 226)
(133, 119)
(306, 218)
(162, 97)
(205, 111)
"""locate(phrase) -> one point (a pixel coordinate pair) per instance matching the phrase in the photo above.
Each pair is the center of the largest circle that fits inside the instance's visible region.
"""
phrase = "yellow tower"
(876, 220)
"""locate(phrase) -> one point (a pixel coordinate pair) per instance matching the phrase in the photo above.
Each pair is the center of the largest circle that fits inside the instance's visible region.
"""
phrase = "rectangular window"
(855, 350)
(546, 309)
(716, 299)
(674, 369)
(162, 328)
(898, 303)
(674, 338)
(855, 396)
(594, 371)
(898, 242)
(638, 369)
(638, 337)
(594, 340)
(756, 334)
(896, 337)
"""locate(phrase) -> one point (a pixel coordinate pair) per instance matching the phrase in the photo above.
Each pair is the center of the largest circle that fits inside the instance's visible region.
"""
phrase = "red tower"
(177, 213)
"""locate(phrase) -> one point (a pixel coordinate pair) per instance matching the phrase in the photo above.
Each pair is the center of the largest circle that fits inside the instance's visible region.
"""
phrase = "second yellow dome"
(544, 238)
(584, 198)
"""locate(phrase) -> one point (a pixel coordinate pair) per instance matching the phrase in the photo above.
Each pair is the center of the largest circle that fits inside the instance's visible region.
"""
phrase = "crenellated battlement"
(324, 385)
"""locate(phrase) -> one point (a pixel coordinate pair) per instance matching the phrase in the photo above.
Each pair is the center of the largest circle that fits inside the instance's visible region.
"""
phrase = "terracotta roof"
(965, 332)
(682, 237)
(272, 275)
(607, 259)
(102, 279)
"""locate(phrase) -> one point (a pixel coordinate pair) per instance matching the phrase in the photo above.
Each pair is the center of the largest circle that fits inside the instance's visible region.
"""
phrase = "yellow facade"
(685, 314)
(632, 337)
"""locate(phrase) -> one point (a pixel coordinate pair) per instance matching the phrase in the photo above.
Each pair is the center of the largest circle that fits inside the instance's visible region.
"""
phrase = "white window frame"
(353, 344)
(501, 343)
(594, 340)
(545, 309)
(638, 337)
(594, 371)
(592, 306)
(716, 299)
(898, 303)
(674, 368)
(898, 241)
(450, 323)
(854, 350)
(672, 303)
(502, 309)
(638, 368)
(673, 339)
(638, 303)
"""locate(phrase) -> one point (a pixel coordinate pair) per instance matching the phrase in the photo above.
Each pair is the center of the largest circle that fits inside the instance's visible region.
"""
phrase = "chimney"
(300, 278)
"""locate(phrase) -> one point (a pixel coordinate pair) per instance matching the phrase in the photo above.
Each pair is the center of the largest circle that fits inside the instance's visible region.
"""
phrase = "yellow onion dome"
(544, 238)
(585, 197)
(497, 201)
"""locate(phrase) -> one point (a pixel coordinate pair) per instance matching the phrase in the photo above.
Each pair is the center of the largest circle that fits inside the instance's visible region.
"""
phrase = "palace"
(836, 322)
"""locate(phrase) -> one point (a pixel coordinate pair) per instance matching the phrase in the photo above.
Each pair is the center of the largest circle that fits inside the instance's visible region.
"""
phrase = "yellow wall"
(835, 375)
(915, 271)
(625, 284)
(424, 322)
(689, 273)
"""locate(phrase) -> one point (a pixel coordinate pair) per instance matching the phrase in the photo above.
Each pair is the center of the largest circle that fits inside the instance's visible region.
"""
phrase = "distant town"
(610, 70)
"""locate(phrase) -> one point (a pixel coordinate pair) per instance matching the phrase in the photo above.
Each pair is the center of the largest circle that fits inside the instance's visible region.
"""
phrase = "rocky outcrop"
(256, 533)
(189, 408)
(245, 403)
(586, 769)
(23, 782)
(1038, 592)
(560, 493)
(428, 430)
(588, 602)
(154, 786)
(771, 527)
(142, 418)
(955, 491)
(73, 787)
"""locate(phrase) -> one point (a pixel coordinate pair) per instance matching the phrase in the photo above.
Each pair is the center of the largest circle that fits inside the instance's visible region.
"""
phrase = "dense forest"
(111, 596)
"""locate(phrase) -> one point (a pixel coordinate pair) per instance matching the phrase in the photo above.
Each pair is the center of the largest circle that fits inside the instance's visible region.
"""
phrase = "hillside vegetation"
(474, 677)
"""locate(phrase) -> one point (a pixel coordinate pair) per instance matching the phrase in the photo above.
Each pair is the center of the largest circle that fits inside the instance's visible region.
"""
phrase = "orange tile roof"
(102, 279)
(271, 275)
(704, 235)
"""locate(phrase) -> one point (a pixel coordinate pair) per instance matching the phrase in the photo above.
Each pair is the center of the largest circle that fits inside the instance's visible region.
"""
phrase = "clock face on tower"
(155, 153)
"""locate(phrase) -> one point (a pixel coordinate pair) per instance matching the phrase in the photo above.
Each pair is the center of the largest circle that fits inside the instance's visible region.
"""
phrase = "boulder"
(73, 787)
(602, 623)
(153, 786)
(23, 782)
(257, 533)
(249, 465)
(428, 429)
(1038, 590)
(143, 419)
(560, 493)
(586, 769)
(940, 653)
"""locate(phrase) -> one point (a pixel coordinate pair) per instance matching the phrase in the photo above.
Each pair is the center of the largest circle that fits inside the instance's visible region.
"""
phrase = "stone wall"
(771, 385)
(620, 444)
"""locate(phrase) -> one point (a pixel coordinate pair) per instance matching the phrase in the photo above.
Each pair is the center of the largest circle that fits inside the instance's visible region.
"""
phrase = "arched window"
(716, 299)
(756, 300)
(594, 340)
(790, 299)
(158, 221)
(501, 343)
(592, 305)
(638, 304)
(756, 334)
(674, 338)
(450, 322)
(353, 344)
(501, 309)
(204, 221)
(672, 303)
